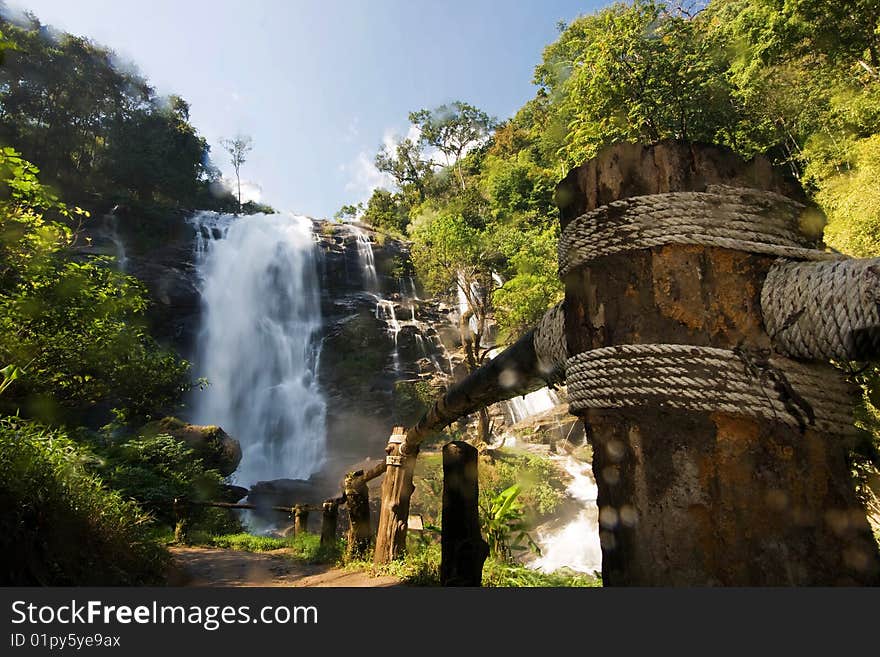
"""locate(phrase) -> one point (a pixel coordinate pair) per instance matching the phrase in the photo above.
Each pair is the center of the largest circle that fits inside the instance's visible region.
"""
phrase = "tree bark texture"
(462, 547)
(700, 498)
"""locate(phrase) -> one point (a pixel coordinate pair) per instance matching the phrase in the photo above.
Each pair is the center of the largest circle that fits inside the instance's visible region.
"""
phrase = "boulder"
(216, 448)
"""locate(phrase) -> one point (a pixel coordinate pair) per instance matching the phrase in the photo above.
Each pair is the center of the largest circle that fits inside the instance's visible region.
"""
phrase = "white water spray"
(576, 544)
(534, 403)
(368, 260)
(258, 344)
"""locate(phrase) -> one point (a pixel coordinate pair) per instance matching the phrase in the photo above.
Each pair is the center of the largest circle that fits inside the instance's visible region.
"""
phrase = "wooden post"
(462, 547)
(397, 488)
(357, 499)
(329, 516)
(300, 520)
(180, 515)
(695, 497)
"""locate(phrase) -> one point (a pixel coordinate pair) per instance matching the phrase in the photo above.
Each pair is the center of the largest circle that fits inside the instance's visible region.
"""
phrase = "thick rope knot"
(737, 382)
(824, 310)
(736, 218)
(551, 347)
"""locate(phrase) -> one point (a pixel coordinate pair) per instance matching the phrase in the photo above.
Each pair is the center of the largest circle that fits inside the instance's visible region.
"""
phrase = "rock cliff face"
(379, 337)
(378, 333)
(386, 347)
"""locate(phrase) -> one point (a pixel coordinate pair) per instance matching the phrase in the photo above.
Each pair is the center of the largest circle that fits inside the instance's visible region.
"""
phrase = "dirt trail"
(197, 566)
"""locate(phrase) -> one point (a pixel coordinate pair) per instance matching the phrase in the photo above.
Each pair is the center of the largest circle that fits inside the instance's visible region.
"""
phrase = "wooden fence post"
(180, 515)
(329, 516)
(689, 495)
(357, 499)
(463, 548)
(300, 519)
(397, 488)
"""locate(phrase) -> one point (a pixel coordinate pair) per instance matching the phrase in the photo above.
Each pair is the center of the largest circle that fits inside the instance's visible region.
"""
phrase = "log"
(329, 517)
(300, 519)
(511, 373)
(690, 497)
(357, 498)
(463, 550)
(397, 488)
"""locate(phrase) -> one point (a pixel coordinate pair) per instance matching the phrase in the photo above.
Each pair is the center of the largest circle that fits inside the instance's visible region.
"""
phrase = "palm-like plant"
(505, 527)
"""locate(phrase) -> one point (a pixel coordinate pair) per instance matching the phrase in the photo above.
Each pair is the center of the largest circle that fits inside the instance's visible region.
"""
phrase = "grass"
(304, 547)
(501, 574)
(421, 567)
(60, 525)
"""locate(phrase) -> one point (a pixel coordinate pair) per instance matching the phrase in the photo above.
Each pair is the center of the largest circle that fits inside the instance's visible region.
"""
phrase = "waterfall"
(258, 344)
(385, 312)
(575, 544)
(368, 260)
(534, 403)
(118, 244)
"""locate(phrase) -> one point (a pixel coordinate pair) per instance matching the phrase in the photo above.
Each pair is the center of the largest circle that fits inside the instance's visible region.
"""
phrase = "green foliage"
(248, 542)
(412, 399)
(635, 72)
(97, 130)
(348, 212)
(420, 566)
(417, 567)
(72, 324)
(387, 211)
(852, 201)
(541, 486)
(499, 573)
(302, 547)
(156, 470)
(52, 503)
(504, 525)
(453, 129)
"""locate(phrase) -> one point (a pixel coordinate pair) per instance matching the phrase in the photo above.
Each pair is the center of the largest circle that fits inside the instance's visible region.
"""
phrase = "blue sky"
(319, 85)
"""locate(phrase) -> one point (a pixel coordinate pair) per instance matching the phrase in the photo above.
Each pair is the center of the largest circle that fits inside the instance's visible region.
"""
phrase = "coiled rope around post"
(551, 347)
(823, 309)
(735, 218)
(714, 380)
(827, 310)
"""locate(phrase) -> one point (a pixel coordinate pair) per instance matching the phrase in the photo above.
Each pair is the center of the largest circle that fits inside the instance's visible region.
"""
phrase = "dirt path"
(196, 566)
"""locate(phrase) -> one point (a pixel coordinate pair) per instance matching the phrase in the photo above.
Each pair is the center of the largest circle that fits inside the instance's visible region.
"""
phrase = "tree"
(72, 324)
(387, 211)
(238, 150)
(453, 129)
(406, 165)
(451, 254)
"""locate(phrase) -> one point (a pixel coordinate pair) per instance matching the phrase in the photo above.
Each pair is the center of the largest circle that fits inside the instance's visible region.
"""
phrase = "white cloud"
(250, 191)
(364, 177)
(353, 131)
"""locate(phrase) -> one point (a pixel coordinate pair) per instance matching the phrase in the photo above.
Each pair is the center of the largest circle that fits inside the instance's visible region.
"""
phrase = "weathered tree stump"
(357, 499)
(397, 488)
(462, 547)
(300, 520)
(329, 517)
(689, 497)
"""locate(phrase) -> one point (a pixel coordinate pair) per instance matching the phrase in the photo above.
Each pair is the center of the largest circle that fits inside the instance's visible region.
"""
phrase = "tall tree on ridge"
(238, 150)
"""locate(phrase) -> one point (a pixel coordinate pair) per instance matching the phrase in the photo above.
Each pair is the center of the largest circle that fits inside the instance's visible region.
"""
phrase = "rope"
(551, 347)
(737, 382)
(825, 310)
(729, 217)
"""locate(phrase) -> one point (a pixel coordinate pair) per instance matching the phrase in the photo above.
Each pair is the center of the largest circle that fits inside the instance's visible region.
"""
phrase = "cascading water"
(118, 244)
(534, 403)
(258, 345)
(368, 260)
(575, 545)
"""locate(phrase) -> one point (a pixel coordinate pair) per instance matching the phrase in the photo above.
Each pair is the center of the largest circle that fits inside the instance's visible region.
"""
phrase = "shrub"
(50, 503)
(156, 470)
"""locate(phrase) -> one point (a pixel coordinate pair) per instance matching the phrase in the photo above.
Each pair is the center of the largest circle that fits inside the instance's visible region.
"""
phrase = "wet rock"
(216, 448)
